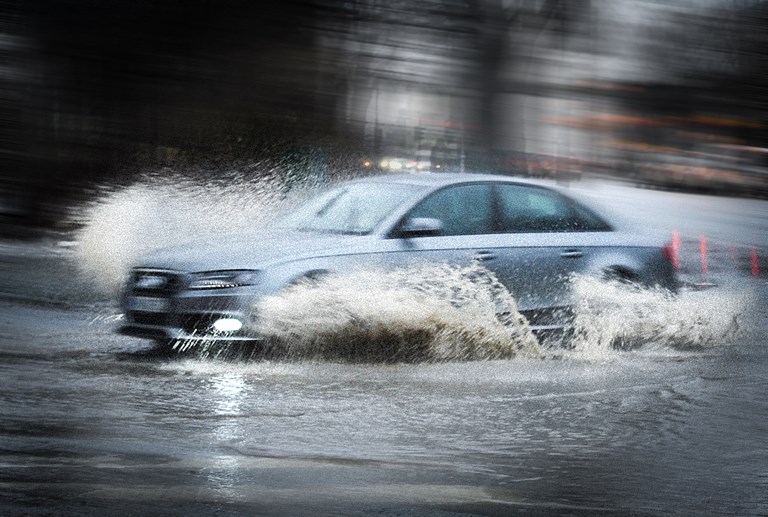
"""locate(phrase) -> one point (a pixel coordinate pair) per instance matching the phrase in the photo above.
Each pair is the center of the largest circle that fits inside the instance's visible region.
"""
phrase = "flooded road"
(93, 424)
(92, 427)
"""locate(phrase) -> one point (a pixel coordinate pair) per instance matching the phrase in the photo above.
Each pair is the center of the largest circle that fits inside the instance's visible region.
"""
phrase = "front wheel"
(163, 348)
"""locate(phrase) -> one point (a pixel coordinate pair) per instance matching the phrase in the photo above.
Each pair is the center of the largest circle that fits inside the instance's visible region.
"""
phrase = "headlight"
(223, 279)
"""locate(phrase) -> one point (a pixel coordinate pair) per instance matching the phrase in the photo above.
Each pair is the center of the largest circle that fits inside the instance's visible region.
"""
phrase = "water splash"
(611, 316)
(448, 313)
(440, 313)
(429, 313)
(123, 224)
(435, 313)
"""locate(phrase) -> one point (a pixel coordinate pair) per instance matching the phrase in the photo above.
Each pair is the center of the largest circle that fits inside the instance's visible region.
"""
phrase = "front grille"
(153, 282)
(150, 318)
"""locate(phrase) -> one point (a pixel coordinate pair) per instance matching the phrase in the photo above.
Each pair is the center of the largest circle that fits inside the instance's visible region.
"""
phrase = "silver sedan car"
(531, 236)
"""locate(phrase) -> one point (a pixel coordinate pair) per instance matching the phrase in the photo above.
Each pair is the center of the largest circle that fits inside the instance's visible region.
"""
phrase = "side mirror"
(421, 227)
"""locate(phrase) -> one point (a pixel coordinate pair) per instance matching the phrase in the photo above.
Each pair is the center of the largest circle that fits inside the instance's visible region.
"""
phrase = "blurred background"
(98, 92)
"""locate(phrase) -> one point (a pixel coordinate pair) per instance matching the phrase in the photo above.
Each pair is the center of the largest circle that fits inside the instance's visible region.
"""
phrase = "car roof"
(438, 179)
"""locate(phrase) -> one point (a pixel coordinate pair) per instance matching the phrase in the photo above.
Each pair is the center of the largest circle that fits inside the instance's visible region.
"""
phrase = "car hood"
(252, 251)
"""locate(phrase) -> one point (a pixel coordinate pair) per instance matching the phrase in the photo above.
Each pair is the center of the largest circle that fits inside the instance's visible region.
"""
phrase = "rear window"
(525, 209)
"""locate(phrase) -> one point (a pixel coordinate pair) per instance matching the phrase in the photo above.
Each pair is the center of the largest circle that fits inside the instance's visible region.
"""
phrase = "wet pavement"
(92, 424)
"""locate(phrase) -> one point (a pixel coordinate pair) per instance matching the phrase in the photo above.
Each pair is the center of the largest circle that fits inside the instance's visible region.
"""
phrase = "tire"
(620, 274)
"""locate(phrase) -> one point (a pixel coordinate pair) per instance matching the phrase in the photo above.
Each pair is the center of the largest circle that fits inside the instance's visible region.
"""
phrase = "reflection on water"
(638, 431)
(227, 392)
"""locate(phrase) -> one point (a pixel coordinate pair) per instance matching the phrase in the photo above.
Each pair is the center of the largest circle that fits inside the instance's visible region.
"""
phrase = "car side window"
(525, 209)
(463, 209)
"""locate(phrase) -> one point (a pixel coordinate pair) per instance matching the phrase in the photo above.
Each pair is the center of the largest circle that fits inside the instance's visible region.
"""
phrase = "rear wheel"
(620, 274)
(623, 276)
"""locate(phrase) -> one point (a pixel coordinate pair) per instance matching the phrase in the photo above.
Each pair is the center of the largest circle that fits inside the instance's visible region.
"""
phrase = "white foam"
(123, 224)
(435, 312)
(611, 315)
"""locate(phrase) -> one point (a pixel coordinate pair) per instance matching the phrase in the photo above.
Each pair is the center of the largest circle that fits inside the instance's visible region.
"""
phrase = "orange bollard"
(675, 249)
(755, 263)
(704, 266)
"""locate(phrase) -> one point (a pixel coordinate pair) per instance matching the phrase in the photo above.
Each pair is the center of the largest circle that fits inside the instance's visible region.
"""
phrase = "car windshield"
(350, 209)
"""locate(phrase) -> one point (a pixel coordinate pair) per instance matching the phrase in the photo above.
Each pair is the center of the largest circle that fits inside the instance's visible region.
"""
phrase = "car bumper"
(160, 333)
(178, 314)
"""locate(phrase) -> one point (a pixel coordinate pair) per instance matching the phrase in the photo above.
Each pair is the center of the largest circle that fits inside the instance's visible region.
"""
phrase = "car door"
(510, 229)
(472, 231)
(544, 237)
(530, 237)
(466, 214)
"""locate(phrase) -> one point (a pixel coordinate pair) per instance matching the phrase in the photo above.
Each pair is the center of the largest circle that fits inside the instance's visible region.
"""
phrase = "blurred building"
(562, 88)
(671, 94)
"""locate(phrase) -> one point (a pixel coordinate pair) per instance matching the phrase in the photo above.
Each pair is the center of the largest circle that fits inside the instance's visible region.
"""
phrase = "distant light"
(366, 163)
(227, 325)
(384, 164)
(437, 166)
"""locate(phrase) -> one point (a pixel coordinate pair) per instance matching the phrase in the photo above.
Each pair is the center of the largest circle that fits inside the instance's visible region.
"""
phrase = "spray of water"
(436, 313)
(448, 313)
(123, 224)
(429, 313)
(611, 316)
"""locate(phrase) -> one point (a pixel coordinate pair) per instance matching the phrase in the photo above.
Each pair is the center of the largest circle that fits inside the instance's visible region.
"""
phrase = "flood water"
(92, 424)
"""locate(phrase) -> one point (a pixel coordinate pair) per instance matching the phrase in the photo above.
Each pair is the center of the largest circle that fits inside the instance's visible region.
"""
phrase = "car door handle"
(485, 255)
(571, 253)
